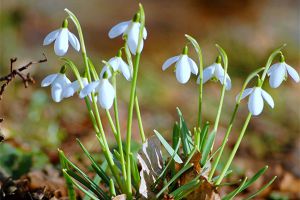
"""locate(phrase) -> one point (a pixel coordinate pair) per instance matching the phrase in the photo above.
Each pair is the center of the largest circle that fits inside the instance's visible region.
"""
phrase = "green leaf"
(186, 137)
(181, 191)
(88, 193)
(69, 182)
(164, 172)
(112, 188)
(169, 149)
(236, 191)
(85, 179)
(93, 69)
(177, 175)
(135, 172)
(207, 147)
(203, 135)
(89, 185)
(176, 135)
(262, 189)
(95, 166)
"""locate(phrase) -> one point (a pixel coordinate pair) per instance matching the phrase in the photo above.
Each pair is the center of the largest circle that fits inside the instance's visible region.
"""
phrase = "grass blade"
(236, 191)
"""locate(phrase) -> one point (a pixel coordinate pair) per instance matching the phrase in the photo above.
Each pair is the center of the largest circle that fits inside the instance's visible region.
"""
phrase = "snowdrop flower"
(184, 66)
(256, 99)
(74, 87)
(118, 65)
(59, 82)
(105, 91)
(62, 37)
(131, 29)
(216, 72)
(279, 72)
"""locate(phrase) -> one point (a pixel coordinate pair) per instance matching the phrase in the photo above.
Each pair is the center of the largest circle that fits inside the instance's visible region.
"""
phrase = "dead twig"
(26, 78)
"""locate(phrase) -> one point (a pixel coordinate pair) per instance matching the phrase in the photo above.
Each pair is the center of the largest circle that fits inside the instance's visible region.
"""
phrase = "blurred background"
(34, 126)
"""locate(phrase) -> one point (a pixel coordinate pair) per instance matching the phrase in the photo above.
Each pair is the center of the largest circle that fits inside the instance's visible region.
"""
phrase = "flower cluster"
(62, 87)
(277, 72)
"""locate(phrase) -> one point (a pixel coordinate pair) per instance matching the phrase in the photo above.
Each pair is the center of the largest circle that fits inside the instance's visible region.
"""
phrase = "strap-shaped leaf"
(261, 189)
(95, 166)
(168, 147)
(236, 191)
(186, 137)
(203, 135)
(207, 147)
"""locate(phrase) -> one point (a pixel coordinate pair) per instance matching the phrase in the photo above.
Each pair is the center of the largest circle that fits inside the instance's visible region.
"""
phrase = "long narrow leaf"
(187, 141)
(236, 191)
(261, 189)
(181, 171)
(203, 135)
(168, 147)
(207, 147)
(88, 193)
(95, 166)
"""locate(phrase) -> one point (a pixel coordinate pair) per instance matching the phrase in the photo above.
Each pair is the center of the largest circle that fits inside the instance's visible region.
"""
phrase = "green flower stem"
(131, 102)
(200, 88)
(106, 150)
(225, 61)
(112, 125)
(81, 40)
(225, 139)
(119, 138)
(140, 122)
(236, 146)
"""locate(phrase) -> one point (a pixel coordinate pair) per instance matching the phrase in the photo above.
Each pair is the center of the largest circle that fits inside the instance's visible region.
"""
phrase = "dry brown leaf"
(205, 191)
(151, 161)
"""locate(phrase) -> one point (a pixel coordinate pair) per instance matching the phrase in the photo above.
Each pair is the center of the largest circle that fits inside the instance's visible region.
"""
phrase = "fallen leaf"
(120, 197)
(151, 161)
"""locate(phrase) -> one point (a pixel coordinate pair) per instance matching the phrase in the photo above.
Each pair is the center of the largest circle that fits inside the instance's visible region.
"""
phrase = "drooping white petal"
(145, 33)
(194, 68)
(268, 98)
(183, 70)
(118, 29)
(246, 92)
(208, 73)
(219, 72)
(227, 82)
(56, 92)
(61, 44)
(74, 41)
(106, 94)
(277, 76)
(48, 80)
(169, 62)
(114, 63)
(88, 89)
(51, 37)
(272, 68)
(133, 37)
(256, 102)
(71, 89)
(293, 73)
(124, 68)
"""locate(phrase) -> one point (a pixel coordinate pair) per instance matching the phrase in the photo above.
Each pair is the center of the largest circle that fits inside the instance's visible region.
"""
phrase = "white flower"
(59, 82)
(183, 68)
(62, 37)
(256, 99)
(117, 64)
(279, 72)
(106, 92)
(215, 71)
(131, 29)
(74, 87)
